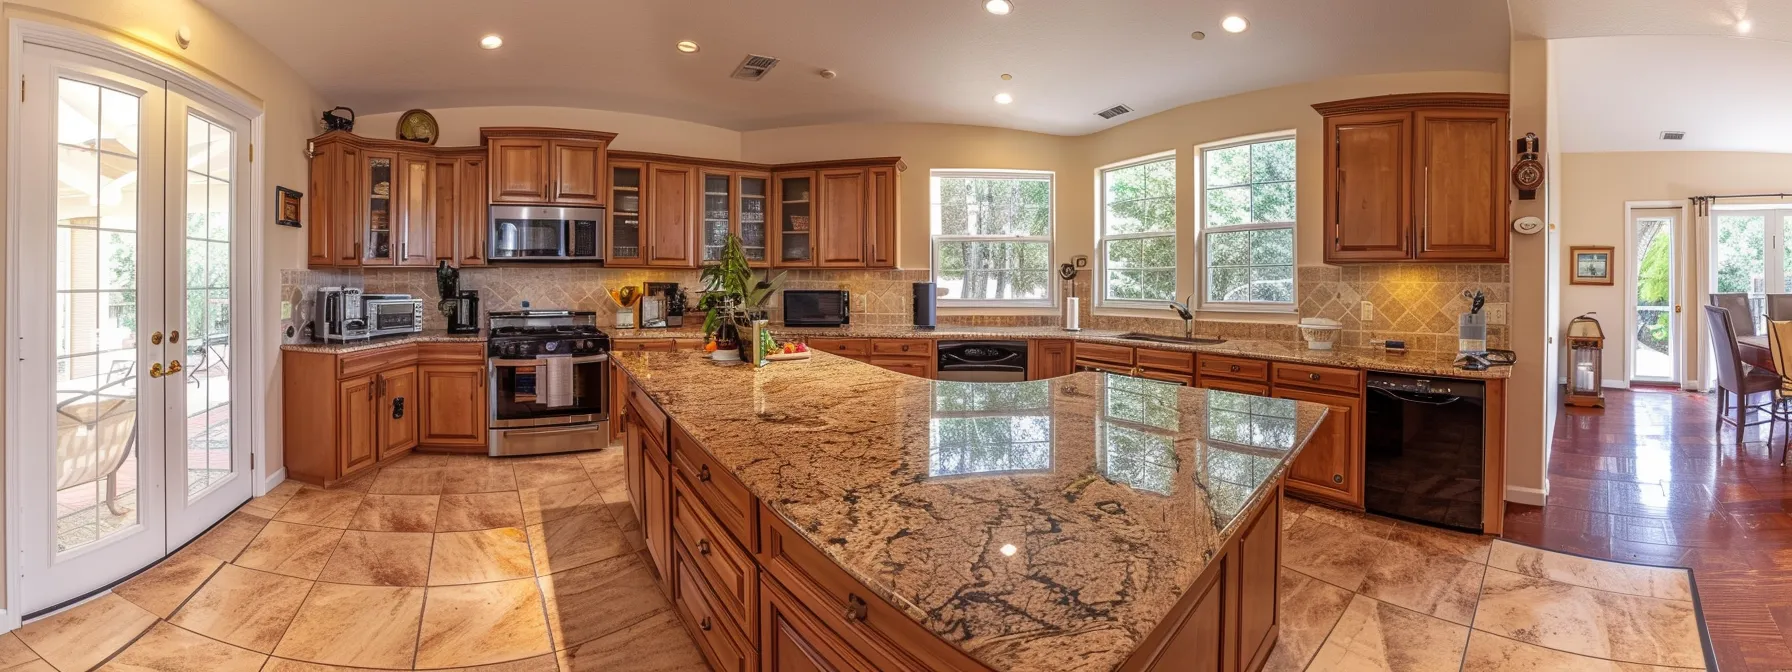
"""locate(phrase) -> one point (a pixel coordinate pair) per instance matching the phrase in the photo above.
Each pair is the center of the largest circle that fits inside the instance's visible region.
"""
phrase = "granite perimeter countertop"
(425, 336)
(1375, 359)
(1048, 524)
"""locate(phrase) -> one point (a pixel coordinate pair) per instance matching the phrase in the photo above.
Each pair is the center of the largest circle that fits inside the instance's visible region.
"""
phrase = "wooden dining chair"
(1736, 377)
(1740, 309)
(1779, 307)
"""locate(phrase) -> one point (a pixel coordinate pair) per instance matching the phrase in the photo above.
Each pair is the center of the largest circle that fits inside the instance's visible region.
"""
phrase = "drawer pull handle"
(1234, 368)
(905, 348)
(1337, 478)
(703, 474)
(1313, 376)
(855, 608)
(702, 547)
(704, 624)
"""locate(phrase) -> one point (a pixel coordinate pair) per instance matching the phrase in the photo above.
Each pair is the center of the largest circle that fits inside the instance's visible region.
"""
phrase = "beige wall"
(634, 132)
(1596, 187)
(1530, 393)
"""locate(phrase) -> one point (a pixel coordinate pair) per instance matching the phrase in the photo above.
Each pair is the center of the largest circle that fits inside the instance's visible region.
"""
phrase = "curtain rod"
(1702, 204)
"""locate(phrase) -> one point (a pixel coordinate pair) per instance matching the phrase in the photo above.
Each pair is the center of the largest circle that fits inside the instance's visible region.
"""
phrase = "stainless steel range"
(549, 391)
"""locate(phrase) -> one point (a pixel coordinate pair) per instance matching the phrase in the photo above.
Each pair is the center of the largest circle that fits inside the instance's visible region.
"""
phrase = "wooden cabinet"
(735, 203)
(650, 484)
(793, 212)
(880, 216)
(840, 224)
(358, 426)
(343, 413)
(793, 640)
(452, 405)
(471, 225)
(547, 166)
(628, 195)
(389, 203)
(414, 235)
(1416, 177)
(1049, 358)
(1331, 465)
(519, 170)
(578, 177)
(671, 219)
(912, 356)
(397, 411)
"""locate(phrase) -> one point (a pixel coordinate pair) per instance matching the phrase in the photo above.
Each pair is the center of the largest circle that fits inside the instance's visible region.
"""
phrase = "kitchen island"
(830, 514)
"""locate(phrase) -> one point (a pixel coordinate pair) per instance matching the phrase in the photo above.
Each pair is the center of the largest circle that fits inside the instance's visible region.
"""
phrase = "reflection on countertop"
(425, 336)
(1028, 523)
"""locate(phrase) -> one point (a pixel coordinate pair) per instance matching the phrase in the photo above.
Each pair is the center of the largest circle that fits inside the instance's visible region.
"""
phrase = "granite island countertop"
(1047, 524)
(1373, 359)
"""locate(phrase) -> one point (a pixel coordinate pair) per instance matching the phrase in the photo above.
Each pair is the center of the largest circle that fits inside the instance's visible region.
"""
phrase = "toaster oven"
(389, 314)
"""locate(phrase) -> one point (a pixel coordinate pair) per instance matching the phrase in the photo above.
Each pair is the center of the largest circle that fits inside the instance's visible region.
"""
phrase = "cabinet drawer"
(725, 497)
(450, 353)
(688, 343)
(716, 632)
(373, 361)
(902, 347)
(845, 347)
(1230, 385)
(1164, 360)
(1233, 367)
(726, 567)
(1119, 355)
(651, 417)
(1349, 381)
(910, 365)
(641, 344)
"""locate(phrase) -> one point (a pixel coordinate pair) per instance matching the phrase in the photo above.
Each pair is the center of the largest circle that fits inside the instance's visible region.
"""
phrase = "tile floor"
(534, 564)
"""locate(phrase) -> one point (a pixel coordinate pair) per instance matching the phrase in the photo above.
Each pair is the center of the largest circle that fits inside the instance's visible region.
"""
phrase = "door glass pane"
(1742, 260)
(1654, 258)
(716, 199)
(752, 217)
(96, 313)
(207, 346)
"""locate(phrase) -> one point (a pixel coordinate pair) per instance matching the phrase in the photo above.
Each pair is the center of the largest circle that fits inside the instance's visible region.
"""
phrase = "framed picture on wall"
(286, 204)
(1592, 265)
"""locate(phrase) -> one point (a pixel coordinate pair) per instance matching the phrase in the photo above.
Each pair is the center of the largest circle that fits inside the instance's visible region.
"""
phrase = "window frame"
(1050, 237)
(1291, 307)
(1099, 289)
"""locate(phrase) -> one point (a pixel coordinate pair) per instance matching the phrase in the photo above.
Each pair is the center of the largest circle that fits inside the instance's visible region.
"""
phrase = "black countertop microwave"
(817, 307)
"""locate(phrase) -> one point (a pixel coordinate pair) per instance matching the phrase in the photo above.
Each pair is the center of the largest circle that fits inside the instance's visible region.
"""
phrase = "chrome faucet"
(1188, 316)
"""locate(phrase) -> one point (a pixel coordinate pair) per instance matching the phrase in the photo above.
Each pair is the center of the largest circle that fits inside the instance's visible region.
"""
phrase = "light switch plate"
(1368, 312)
(285, 310)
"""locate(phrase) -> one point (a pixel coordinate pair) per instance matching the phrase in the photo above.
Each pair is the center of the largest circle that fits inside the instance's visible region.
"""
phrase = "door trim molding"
(122, 50)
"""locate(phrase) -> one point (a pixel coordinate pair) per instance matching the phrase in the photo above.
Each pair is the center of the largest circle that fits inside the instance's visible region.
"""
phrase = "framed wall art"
(1592, 265)
(286, 207)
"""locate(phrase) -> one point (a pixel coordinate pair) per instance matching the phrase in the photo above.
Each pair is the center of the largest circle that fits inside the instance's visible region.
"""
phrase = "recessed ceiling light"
(999, 7)
(491, 42)
(1744, 26)
(688, 46)
(1197, 35)
(1006, 76)
(1004, 99)
(1235, 24)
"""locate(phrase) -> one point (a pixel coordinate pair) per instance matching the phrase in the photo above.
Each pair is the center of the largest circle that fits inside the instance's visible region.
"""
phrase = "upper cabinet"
(547, 166)
(1416, 177)
(390, 203)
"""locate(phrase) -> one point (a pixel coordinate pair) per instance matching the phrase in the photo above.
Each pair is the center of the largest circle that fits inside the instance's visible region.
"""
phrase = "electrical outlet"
(1496, 313)
(285, 310)
(1368, 312)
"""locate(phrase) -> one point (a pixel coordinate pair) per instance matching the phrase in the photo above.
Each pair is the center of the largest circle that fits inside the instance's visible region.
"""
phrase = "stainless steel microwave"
(536, 233)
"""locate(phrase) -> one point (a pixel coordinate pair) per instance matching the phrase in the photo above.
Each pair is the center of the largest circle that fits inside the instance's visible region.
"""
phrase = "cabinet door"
(793, 200)
(750, 216)
(452, 405)
(792, 640)
(473, 227)
(519, 170)
(880, 217)
(656, 505)
(356, 429)
(379, 184)
(1369, 175)
(671, 222)
(578, 173)
(416, 222)
(1183, 379)
(841, 240)
(444, 176)
(1049, 359)
(397, 411)
(634, 463)
(324, 194)
(618, 401)
(346, 222)
(717, 214)
(1461, 192)
(1227, 385)
(628, 193)
(1330, 466)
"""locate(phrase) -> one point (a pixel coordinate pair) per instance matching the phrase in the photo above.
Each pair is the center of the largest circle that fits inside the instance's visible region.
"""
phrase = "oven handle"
(512, 363)
(548, 430)
(1398, 396)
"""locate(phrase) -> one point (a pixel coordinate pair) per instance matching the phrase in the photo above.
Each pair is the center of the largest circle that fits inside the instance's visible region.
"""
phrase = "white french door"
(129, 223)
(1750, 249)
(1654, 319)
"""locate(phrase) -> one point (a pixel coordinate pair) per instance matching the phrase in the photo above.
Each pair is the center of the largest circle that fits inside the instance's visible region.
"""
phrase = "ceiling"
(1617, 94)
(1554, 19)
(904, 61)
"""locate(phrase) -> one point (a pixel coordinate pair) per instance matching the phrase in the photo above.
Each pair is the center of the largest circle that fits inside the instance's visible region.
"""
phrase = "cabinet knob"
(1338, 478)
(905, 348)
(704, 624)
(703, 547)
(855, 607)
(703, 474)
(1313, 376)
(1234, 368)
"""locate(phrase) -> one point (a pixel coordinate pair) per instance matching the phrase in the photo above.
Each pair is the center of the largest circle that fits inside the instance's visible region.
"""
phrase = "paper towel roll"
(1072, 314)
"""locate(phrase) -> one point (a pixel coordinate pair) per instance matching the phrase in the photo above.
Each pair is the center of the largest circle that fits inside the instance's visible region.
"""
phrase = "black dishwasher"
(983, 361)
(1423, 449)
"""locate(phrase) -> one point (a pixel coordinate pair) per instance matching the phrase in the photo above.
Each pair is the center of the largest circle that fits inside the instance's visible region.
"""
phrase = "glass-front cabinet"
(718, 219)
(753, 188)
(794, 243)
(734, 202)
(377, 248)
(627, 193)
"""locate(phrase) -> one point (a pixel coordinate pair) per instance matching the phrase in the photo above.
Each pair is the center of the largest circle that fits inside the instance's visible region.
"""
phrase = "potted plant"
(731, 297)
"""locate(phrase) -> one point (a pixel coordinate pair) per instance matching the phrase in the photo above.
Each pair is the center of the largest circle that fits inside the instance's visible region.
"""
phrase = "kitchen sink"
(1137, 336)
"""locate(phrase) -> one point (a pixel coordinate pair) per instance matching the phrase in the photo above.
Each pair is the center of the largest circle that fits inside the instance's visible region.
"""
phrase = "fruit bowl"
(1320, 332)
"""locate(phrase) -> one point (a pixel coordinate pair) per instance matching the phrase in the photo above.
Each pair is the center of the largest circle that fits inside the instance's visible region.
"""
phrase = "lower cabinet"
(357, 427)
(912, 356)
(1049, 358)
(346, 412)
(1329, 468)
(397, 411)
(1229, 619)
(452, 409)
(791, 640)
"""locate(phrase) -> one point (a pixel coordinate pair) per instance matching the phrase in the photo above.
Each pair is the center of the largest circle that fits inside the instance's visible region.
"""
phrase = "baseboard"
(1531, 496)
(273, 480)
(1608, 383)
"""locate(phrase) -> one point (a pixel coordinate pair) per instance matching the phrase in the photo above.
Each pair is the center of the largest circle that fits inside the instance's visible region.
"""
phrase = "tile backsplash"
(1418, 303)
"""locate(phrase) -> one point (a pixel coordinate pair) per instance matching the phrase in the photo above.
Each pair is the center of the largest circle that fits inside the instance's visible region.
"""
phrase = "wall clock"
(1527, 174)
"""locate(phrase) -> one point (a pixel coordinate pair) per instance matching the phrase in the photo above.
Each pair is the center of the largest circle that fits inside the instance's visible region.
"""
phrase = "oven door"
(520, 397)
(525, 233)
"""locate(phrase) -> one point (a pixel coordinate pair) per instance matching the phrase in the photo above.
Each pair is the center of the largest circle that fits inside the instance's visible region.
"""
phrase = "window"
(1247, 224)
(1138, 230)
(992, 237)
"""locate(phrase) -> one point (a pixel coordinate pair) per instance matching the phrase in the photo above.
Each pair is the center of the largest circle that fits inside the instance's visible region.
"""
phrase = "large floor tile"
(1589, 622)
(1310, 608)
(359, 626)
(168, 648)
(278, 664)
(396, 513)
(546, 662)
(381, 559)
(558, 501)
(478, 511)
(1426, 580)
(1493, 653)
(567, 543)
(1374, 636)
(79, 638)
(245, 607)
(1331, 554)
(482, 624)
(324, 508)
(1663, 582)
(15, 656)
(291, 549)
(1470, 547)
(424, 481)
(230, 536)
(1355, 521)
(478, 476)
(656, 644)
(269, 504)
(161, 589)
(596, 600)
(546, 471)
(480, 556)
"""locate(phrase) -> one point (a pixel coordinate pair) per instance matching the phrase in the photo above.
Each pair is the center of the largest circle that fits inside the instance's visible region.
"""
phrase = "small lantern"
(1585, 343)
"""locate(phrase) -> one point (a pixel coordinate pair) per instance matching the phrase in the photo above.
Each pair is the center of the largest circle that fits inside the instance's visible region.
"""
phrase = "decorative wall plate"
(418, 126)
(1527, 225)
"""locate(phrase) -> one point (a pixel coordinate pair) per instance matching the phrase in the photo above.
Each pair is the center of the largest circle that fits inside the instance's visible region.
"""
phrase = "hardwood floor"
(1650, 479)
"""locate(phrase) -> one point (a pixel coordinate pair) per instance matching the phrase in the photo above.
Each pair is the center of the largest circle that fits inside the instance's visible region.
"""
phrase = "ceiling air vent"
(754, 67)
(1114, 111)
(1673, 135)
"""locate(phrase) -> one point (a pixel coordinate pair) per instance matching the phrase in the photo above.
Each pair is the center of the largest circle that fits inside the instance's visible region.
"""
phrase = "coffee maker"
(463, 312)
(340, 314)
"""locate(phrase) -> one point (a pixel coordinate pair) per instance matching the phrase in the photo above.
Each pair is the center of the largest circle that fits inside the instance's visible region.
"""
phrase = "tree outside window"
(1247, 224)
(1138, 231)
(992, 236)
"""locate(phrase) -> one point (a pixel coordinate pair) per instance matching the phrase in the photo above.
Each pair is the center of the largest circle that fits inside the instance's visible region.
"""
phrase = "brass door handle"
(155, 370)
(155, 338)
(173, 366)
(174, 336)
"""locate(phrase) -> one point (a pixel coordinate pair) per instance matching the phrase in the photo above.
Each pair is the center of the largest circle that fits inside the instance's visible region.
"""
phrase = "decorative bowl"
(1320, 333)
